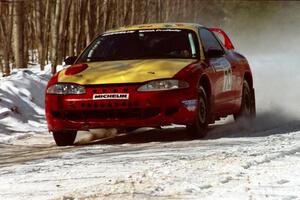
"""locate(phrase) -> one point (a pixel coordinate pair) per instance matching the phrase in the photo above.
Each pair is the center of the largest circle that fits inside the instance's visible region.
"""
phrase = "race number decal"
(227, 80)
(222, 65)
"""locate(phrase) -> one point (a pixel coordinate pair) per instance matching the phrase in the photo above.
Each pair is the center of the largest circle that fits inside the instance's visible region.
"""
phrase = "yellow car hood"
(126, 71)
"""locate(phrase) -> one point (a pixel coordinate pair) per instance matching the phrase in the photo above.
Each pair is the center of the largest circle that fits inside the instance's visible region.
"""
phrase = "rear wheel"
(247, 110)
(199, 128)
(64, 138)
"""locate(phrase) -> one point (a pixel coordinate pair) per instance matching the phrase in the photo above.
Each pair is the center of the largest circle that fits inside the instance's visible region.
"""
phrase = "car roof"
(179, 25)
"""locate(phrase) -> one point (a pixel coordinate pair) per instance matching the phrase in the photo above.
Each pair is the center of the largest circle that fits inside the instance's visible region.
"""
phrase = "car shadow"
(265, 124)
(146, 136)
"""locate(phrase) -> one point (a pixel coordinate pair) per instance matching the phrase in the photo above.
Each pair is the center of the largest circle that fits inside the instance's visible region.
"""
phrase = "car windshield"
(142, 44)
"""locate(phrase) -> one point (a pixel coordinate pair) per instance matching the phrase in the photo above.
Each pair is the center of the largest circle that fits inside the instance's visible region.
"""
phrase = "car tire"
(64, 138)
(247, 110)
(198, 130)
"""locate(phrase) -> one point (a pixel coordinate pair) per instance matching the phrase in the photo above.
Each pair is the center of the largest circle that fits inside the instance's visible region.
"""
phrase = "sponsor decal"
(191, 105)
(222, 64)
(141, 31)
(227, 80)
(110, 96)
(117, 33)
(159, 30)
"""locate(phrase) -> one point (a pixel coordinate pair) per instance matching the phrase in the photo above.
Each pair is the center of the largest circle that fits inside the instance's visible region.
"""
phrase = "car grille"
(109, 114)
(103, 105)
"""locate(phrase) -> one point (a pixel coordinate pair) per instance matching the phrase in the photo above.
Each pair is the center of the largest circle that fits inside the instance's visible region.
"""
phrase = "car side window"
(220, 38)
(209, 40)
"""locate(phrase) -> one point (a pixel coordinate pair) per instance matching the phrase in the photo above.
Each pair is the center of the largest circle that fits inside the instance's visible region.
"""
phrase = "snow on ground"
(259, 160)
(258, 166)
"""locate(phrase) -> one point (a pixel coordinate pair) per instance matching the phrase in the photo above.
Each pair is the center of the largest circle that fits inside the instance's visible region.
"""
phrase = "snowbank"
(22, 104)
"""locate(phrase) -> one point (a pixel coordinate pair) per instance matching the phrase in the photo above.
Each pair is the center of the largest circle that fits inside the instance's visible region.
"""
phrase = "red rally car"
(150, 75)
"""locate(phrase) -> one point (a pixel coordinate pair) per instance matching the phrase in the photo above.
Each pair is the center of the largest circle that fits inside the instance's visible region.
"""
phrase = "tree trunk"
(44, 35)
(81, 38)
(127, 8)
(72, 29)
(18, 34)
(47, 34)
(86, 23)
(105, 15)
(61, 30)
(132, 12)
(5, 48)
(55, 29)
(6, 23)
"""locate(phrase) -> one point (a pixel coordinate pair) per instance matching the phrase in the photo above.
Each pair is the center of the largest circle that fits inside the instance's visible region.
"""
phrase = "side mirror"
(70, 60)
(214, 53)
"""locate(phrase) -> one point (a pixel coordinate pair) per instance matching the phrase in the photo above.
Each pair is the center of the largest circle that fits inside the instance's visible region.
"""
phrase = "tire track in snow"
(267, 159)
(157, 164)
(12, 154)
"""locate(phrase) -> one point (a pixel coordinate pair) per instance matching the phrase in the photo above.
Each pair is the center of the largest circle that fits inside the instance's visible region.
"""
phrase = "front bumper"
(81, 112)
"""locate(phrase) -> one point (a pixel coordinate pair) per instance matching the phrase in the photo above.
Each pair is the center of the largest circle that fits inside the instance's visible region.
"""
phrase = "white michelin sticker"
(110, 96)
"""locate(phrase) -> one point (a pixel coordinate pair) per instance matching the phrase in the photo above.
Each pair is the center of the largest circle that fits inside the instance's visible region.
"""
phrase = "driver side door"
(221, 75)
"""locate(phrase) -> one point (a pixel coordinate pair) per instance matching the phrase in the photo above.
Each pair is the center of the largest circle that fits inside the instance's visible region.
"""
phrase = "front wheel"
(199, 128)
(247, 110)
(64, 138)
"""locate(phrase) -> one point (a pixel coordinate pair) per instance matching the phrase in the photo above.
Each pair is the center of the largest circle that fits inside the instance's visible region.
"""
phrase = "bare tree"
(72, 29)
(41, 14)
(80, 40)
(55, 29)
(18, 34)
(6, 19)
(62, 33)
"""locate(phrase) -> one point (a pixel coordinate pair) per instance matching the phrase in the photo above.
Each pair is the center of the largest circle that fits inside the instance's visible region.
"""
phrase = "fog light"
(190, 105)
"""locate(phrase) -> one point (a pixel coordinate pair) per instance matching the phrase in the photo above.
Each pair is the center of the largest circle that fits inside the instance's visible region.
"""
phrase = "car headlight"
(160, 85)
(65, 88)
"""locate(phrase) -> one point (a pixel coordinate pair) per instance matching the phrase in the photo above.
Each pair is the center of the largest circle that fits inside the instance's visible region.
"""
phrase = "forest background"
(46, 31)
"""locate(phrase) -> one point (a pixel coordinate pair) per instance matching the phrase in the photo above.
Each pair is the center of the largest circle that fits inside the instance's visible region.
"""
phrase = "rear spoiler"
(227, 42)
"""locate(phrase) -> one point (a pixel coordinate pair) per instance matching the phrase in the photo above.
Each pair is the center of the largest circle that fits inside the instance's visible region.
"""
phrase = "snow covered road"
(234, 162)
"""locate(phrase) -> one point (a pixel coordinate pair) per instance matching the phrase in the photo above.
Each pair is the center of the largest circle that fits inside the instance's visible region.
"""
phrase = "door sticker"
(222, 64)
(227, 80)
